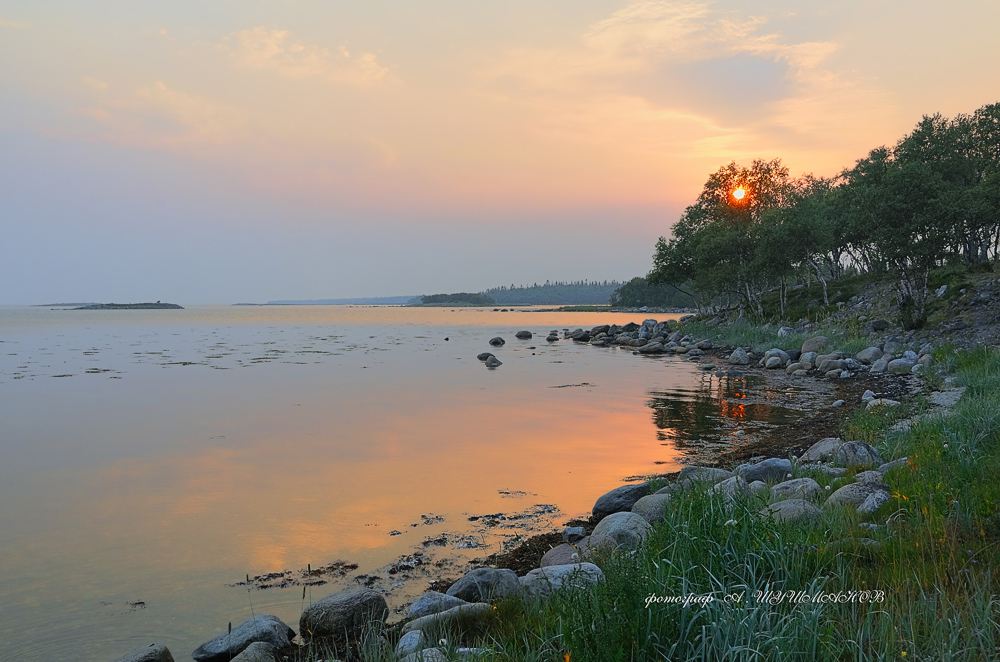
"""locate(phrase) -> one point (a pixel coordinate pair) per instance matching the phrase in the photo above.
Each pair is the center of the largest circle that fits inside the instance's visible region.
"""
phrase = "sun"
(739, 193)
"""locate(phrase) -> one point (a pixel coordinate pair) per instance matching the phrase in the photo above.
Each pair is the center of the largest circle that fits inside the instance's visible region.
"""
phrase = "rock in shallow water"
(258, 652)
(263, 628)
(497, 342)
(151, 653)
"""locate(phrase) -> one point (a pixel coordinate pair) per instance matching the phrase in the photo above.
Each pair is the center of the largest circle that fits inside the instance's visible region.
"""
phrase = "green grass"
(762, 338)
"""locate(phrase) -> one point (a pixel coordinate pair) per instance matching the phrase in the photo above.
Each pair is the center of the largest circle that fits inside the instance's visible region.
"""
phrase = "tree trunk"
(819, 274)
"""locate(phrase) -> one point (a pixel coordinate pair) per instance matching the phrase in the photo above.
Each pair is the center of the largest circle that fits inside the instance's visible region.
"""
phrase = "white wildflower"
(731, 522)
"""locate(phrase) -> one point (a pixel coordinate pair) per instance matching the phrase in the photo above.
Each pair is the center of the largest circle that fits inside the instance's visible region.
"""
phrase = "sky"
(248, 150)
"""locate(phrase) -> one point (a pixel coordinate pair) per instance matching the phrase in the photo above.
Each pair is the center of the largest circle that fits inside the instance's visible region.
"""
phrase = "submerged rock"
(497, 342)
(151, 653)
(523, 335)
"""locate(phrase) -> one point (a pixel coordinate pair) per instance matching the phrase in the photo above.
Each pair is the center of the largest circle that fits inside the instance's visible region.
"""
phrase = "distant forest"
(582, 292)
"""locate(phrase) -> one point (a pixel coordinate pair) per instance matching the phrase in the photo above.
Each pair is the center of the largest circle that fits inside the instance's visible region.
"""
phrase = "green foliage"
(459, 298)
(576, 293)
(638, 292)
(931, 199)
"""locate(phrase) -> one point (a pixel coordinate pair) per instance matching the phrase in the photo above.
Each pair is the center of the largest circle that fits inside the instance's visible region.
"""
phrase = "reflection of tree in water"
(711, 414)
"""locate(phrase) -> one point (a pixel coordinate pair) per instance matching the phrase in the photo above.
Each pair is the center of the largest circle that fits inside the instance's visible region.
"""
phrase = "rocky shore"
(792, 484)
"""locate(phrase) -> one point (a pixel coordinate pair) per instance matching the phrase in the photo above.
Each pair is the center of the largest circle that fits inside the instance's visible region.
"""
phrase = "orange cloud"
(275, 50)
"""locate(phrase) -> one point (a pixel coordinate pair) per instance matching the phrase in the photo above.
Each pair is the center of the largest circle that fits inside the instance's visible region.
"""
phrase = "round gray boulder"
(484, 584)
(620, 499)
(858, 454)
(432, 602)
(796, 488)
(263, 628)
(771, 470)
(792, 510)
(543, 582)
(626, 529)
(343, 616)
(853, 495)
(651, 507)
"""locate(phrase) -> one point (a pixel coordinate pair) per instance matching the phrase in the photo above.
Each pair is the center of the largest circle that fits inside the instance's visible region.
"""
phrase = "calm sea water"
(153, 459)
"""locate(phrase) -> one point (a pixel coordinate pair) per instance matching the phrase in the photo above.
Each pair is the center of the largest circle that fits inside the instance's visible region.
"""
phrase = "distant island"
(131, 306)
(63, 305)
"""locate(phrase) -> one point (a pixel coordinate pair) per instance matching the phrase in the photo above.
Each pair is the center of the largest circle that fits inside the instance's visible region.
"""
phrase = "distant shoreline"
(131, 306)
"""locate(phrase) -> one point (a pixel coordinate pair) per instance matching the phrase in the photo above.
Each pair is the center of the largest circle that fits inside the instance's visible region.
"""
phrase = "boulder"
(497, 342)
(551, 338)
(626, 529)
(258, 651)
(523, 335)
(456, 617)
(573, 533)
(433, 602)
(858, 454)
(564, 553)
(343, 616)
(757, 487)
(151, 653)
(773, 363)
(823, 449)
(704, 344)
(774, 352)
(543, 582)
(786, 331)
(815, 344)
(484, 584)
(882, 402)
(869, 355)
(263, 628)
(651, 507)
(410, 642)
(493, 362)
(581, 336)
(792, 510)
(485, 356)
(872, 476)
(769, 471)
(703, 474)
(867, 396)
(739, 357)
(425, 655)
(873, 502)
(731, 488)
(854, 494)
(651, 348)
(796, 488)
(602, 328)
(900, 366)
(808, 359)
(620, 499)
(880, 365)
(793, 368)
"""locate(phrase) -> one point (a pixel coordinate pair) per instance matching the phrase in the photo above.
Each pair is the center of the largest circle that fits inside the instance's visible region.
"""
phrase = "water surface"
(154, 459)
